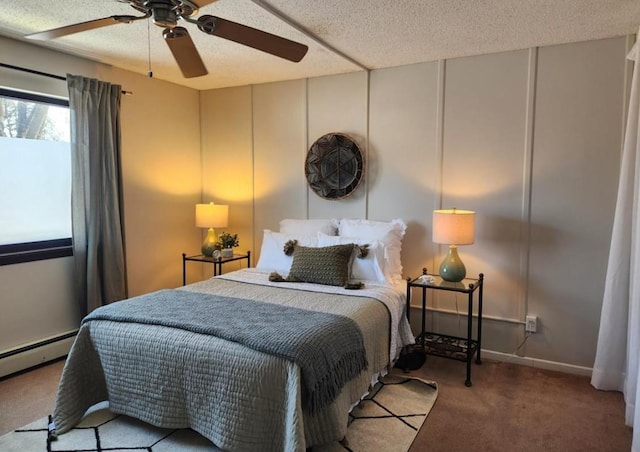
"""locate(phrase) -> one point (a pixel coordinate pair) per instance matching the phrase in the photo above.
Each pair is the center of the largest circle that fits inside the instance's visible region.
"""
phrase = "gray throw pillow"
(328, 265)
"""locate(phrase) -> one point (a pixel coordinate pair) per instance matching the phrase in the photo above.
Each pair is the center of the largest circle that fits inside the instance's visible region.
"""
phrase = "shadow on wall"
(502, 235)
(416, 249)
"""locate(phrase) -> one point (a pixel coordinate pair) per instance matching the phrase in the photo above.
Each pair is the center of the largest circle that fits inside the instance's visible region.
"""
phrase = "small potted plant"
(227, 242)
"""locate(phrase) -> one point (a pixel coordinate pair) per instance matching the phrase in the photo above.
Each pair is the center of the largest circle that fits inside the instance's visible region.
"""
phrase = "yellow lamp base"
(209, 245)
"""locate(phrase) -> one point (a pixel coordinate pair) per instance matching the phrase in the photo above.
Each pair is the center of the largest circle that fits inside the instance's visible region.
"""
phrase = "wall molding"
(463, 313)
(442, 68)
(527, 179)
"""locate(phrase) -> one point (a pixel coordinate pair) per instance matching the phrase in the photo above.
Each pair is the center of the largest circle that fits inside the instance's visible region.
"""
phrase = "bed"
(236, 357)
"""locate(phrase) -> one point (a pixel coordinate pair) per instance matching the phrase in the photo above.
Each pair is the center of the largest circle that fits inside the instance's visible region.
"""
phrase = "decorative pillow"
(272, 255)
(390, 233)
(309, 227)
(328, 265)
(368, 268)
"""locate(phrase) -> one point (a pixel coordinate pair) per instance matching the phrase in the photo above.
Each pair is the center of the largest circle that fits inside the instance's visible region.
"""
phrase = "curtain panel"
(617, 361)
(96, 192)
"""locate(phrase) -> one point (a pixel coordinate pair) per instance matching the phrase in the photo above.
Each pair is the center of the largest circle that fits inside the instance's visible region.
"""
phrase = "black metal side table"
(458, 348)
(217, 262)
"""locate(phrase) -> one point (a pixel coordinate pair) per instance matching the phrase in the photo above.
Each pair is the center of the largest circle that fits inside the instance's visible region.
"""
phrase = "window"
(35, 177)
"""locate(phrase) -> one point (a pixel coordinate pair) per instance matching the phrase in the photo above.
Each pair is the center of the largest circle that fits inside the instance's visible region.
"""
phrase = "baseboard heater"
(35, 353)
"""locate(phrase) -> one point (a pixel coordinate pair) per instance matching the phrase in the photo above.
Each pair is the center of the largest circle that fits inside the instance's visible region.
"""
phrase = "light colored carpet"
(388, 419)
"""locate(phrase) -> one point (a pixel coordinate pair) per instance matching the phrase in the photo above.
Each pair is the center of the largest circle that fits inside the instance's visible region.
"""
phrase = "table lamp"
(453, 227)
(211, 216)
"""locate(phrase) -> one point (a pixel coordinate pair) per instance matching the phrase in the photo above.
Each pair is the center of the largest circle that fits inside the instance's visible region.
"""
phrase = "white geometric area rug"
(388, 419)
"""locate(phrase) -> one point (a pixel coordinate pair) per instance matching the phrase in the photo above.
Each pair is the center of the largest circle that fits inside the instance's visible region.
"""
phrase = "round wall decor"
(334, 166)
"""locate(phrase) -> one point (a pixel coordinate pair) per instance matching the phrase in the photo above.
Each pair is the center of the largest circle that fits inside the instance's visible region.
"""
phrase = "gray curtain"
(96, 192)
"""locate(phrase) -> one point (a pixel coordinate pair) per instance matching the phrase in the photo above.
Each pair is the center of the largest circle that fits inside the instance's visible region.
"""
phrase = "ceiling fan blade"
(201, 3)
(184, 51)
(82, 26)
(252, 37)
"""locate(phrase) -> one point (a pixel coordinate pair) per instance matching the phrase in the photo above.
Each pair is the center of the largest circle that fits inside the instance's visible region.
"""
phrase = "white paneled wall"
(528, 139)
(279, 143)
(227, 170)
(483, 168)
(577, 141)
(338, 104)
(405, 148)
(161, 183)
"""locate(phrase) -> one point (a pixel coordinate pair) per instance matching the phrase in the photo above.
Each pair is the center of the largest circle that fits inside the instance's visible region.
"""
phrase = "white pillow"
(272, 255)
(390, 233)
(309, 227)
(368, 268)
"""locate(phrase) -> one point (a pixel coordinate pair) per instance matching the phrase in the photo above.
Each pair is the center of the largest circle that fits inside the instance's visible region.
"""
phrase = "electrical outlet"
(531, 324)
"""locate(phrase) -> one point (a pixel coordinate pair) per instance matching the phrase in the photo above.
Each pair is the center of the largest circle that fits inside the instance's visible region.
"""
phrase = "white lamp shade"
(454, 226)
(212, 215)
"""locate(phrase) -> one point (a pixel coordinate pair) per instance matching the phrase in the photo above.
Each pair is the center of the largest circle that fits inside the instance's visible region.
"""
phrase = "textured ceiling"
(342, 35)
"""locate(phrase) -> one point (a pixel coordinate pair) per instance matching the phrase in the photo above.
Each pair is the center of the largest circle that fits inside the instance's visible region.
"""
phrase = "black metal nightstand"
(217, 262)
(459, 348)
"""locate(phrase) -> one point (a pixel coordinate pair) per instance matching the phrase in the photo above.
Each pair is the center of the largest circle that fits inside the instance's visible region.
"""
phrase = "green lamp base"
(452, 269)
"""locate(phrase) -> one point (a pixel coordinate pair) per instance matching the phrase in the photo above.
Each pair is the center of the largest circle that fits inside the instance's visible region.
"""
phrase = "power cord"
(457, 311)
(508, 360)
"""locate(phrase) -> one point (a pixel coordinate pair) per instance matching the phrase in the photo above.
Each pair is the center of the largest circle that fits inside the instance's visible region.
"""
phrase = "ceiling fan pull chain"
(149, 72)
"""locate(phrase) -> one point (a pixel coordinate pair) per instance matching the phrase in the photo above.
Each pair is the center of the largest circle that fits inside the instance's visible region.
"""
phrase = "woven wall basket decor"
(334, 166)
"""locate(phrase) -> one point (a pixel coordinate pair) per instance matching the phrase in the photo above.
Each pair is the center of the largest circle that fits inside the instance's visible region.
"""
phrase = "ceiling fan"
(167, 13)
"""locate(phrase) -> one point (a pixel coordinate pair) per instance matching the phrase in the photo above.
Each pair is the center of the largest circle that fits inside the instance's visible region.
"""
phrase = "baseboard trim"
(34, 354)
(539, 363)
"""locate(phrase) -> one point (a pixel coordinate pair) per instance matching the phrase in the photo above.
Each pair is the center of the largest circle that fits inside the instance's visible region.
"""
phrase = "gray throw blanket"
(328, 348)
